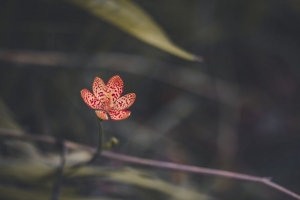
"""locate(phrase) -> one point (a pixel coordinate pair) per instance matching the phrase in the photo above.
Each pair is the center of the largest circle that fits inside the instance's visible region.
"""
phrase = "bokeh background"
(238, 110)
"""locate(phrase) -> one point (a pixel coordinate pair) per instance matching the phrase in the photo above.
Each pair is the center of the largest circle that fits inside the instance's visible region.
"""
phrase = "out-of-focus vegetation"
(236, 111)
(126, 15)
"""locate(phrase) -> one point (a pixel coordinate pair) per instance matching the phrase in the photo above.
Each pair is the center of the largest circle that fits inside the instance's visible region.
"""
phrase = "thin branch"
(148, 162)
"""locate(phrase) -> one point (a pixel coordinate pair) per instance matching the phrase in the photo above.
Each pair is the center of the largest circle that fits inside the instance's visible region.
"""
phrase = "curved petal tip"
(101, 114)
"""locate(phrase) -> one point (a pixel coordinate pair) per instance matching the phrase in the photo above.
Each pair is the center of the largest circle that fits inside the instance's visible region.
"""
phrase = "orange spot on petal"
(90, 99)
(125, 101)
(119, 114)
(99, 89)
(116, 86)
(101, 114)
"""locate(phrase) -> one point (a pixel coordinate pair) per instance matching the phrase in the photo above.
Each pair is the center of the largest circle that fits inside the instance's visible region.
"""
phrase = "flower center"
(108, 103)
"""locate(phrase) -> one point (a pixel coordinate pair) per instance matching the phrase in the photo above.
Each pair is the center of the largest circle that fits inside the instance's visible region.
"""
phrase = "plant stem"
(154, 163)
(99, 147)
(100, 143)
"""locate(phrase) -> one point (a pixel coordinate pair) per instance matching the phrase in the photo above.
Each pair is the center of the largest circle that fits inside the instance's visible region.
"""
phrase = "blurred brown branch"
(191, 80)
(141, 161)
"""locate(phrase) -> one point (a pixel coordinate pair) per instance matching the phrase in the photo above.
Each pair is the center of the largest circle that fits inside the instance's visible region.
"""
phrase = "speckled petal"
(119, 114)
(99, 89)
(125, 101)
(90, 99)
(116, 85)
(101, 114)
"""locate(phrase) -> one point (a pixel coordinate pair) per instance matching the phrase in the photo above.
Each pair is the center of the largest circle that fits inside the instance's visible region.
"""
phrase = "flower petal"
(99, 89)
(116, 85)
(90, 99)
(119, 114)
(125, 101)
(101, 114)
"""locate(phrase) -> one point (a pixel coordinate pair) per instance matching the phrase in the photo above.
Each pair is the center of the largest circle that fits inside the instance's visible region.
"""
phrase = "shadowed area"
(238, 110)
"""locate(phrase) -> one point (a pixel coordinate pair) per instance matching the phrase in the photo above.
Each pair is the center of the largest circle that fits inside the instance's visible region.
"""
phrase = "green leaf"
(30, 172)
(6, 118)
(132, 19)
(10, 192)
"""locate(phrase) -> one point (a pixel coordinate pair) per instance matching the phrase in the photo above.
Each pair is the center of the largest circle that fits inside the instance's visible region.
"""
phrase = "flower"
(107, 99)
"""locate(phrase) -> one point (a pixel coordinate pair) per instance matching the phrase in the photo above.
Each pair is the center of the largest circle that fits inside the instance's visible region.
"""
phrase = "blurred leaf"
(6, 118)
(132, 19)
(7, 122)
(16, 193)
(144, 180)
(30, 172)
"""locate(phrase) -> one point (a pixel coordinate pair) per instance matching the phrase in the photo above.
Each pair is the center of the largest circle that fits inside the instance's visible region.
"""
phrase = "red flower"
(106, 99)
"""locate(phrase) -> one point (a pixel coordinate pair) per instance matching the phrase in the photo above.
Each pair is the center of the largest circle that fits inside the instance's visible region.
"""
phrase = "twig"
(148, 162)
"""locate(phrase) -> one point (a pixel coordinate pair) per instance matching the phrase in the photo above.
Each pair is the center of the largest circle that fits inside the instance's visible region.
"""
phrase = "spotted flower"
(107, 99)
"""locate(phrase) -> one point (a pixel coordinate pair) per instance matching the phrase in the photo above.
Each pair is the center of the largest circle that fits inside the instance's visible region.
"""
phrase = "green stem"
(100, 143)
(99, 147)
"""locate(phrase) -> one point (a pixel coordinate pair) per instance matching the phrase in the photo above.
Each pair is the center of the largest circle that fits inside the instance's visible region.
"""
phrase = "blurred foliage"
(126, 15)
(6, 118)
(30, 173)
(237, 111)
(37, 171)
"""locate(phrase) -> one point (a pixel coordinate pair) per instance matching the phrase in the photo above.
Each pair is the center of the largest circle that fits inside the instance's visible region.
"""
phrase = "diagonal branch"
(148, 162)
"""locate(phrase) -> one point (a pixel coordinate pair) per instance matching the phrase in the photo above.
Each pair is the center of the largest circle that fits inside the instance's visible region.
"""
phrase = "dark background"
(238, 110)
